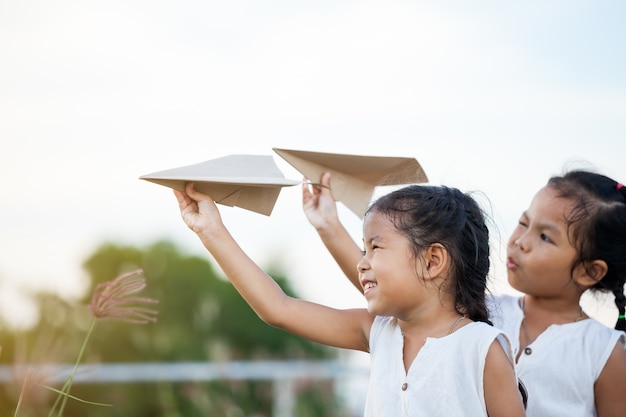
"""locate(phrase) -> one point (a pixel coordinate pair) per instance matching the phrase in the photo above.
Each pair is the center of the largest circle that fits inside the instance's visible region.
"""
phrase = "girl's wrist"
(329, 228)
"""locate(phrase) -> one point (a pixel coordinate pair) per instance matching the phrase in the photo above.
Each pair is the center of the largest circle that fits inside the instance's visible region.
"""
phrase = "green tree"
(201, 318)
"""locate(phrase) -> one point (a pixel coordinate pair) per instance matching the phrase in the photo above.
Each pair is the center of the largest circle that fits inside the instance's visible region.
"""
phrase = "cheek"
(548, 270)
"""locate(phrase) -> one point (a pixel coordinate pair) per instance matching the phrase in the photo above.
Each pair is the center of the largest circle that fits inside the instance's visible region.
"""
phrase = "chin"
(513, 282)
(516, 286)
(371, 308)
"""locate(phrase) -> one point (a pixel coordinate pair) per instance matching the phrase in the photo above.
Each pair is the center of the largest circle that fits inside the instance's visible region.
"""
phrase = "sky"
(493, 97)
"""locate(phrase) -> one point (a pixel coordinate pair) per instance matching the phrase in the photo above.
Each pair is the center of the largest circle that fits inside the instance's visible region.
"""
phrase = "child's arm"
(341, 328)
(502, 395)
(321, 210)
(610, 388)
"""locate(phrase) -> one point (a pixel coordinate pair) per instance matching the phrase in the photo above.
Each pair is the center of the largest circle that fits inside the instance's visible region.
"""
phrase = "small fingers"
(318, 186)
(189, 189)
(195, 195)
(325, 180)
(181, 197)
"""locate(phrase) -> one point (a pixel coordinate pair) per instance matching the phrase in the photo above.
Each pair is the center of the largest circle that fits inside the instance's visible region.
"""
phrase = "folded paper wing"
(354, 177)
(252, 182)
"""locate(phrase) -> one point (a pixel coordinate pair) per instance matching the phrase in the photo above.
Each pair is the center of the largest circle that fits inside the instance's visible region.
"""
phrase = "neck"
(432, 324)
(552, 310)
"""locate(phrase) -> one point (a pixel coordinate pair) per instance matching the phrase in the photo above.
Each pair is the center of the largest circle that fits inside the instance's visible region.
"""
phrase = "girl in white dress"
(570, 240)
(423, 272)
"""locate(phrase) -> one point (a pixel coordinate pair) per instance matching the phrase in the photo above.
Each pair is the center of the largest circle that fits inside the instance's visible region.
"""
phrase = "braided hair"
(597, 224)
(444, 215)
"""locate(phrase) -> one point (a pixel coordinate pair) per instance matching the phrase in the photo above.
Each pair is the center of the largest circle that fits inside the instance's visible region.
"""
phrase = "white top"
(444, 380)
(560, 367)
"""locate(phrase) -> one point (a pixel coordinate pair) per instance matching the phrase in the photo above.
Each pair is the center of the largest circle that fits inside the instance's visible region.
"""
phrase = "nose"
(520, 240)
(363, 265)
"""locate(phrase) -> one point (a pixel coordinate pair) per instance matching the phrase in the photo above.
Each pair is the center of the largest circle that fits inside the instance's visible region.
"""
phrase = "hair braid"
(620, 302)
(475, 261)
(620, 298)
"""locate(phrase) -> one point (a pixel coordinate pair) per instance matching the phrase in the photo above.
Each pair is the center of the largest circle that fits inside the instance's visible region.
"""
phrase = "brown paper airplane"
(354, 177)
(252, 182)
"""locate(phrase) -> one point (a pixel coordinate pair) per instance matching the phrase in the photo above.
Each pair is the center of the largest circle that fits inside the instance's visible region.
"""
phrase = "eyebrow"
(545, 226)
(371, 240)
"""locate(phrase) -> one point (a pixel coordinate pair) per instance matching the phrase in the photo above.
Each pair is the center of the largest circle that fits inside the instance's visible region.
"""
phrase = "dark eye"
(522, 223)
(545, 238)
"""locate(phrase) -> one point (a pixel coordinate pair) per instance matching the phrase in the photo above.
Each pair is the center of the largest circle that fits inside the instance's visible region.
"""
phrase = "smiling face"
(388, 268)
(540, 254)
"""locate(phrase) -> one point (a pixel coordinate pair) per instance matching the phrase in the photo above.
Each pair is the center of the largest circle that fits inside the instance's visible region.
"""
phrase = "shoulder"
(600, 344)
(478, 329)
(504, 310)
(588, 339)
(483, 334)
(602, 333)
(502, 301)
(489, 338)
(383, 328)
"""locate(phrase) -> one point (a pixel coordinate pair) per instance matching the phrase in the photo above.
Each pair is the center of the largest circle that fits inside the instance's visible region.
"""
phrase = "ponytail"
(620, 299)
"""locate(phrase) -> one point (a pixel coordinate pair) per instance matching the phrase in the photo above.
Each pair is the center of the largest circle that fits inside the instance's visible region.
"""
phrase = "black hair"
(437, 214)
(597, 226)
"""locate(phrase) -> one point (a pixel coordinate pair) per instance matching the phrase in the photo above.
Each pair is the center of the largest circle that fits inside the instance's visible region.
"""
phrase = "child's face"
(387, 270)
(539, 252)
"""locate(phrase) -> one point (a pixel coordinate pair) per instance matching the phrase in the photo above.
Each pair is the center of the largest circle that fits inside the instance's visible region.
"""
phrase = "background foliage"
(201, 318)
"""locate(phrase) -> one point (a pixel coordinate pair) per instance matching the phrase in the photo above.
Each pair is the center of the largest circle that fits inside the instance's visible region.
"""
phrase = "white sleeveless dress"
(560, 367)
(444, 380)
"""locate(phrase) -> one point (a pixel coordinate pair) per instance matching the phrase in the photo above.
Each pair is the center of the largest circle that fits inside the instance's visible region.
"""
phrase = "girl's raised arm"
(347, 329)
(321, 211)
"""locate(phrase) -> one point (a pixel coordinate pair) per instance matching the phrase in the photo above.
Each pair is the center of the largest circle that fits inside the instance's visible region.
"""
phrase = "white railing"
(282, 374)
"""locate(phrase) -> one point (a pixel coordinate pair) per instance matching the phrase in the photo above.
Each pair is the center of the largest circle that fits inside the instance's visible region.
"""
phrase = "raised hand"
(319, 204)
(198, 211)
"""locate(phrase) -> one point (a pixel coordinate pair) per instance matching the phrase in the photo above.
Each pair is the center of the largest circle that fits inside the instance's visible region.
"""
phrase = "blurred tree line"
(201, 318)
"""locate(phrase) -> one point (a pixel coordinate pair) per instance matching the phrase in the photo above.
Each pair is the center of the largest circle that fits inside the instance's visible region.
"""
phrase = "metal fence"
(282, 374)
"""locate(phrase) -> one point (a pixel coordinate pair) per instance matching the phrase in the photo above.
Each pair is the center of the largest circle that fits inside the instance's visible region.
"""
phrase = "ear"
(590, 273)
(436, 260)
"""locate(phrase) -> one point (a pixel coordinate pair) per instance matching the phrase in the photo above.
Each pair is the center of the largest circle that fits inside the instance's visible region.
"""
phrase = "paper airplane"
(354, 177)
(252, 182)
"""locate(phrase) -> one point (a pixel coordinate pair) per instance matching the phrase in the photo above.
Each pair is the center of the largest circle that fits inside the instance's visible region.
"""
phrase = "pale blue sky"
(487, 96)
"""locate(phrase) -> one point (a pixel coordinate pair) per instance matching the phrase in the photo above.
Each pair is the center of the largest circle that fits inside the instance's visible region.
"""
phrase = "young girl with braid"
(423, 272)
(571, 239)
